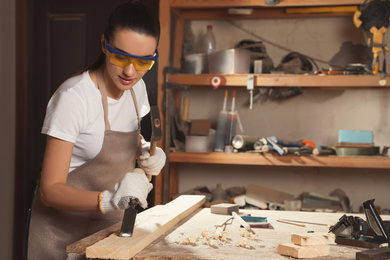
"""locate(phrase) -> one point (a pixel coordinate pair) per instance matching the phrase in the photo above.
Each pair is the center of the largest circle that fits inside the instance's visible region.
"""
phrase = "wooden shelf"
(379, 162)
(290, 80)
(206, 4)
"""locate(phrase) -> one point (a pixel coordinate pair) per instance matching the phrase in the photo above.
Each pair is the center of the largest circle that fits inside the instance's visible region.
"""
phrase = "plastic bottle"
(209, 42)
(188, 40)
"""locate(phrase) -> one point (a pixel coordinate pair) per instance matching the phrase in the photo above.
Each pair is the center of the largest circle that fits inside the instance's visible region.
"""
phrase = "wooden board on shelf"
(284, 80)
(380, 162)
(257, 3)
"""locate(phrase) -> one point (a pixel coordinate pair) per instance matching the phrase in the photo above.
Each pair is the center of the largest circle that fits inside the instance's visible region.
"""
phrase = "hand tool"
(352, 230)
(317, 151)
(273, 141)
(130, 211)
(129, 217)
(156, 132)
(373, 16)
(156, 129)
(250, 87)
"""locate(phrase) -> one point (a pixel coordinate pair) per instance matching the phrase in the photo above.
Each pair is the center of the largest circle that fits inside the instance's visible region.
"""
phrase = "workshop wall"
(315, 114)
(7, 129)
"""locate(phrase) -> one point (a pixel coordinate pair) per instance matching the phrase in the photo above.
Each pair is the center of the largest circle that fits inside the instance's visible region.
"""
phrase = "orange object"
(309, 143)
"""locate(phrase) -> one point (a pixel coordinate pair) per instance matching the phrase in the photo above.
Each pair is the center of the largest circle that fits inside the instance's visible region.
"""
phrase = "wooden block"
(150, 224)
(224, 208)
(296, 251)
(312, 239)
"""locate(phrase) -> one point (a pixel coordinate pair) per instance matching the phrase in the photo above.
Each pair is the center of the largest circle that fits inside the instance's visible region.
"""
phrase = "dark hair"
(130, 15)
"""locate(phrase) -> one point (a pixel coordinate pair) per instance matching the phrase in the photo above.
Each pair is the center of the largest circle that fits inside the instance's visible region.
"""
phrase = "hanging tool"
(250, 87)
(130, 211)
(373, 17)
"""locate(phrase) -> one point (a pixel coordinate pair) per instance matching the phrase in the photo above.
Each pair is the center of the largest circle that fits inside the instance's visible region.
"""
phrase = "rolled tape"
(216, 81)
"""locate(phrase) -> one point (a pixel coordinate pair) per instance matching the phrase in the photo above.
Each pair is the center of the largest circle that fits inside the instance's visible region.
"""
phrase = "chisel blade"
(128, 221)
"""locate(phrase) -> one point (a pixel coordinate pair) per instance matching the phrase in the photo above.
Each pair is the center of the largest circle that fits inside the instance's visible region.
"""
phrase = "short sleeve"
(65, 115)
(142, 98)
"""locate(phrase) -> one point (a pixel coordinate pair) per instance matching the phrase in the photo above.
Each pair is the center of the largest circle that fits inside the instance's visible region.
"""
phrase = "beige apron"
(51, 230)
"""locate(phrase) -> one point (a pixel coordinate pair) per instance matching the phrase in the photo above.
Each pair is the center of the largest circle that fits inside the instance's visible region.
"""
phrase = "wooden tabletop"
(185, 240)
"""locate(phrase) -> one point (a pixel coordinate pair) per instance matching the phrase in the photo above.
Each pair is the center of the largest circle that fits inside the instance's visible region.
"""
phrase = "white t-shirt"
(75, 114)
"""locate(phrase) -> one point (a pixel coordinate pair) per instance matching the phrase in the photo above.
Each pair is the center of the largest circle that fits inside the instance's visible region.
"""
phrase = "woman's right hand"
(135, 185)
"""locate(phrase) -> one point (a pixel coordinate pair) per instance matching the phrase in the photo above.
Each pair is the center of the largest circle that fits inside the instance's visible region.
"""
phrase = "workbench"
(184, 240)
(264, 246)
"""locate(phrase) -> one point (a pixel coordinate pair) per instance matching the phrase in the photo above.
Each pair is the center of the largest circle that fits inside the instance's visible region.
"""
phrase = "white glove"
(152, 165)
(133, 185)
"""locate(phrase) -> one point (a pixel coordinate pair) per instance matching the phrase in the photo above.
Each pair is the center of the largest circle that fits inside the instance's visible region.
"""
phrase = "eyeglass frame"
(112, 50)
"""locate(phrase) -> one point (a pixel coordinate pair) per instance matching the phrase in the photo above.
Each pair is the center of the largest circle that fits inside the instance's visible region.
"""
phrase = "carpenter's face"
(124, 75)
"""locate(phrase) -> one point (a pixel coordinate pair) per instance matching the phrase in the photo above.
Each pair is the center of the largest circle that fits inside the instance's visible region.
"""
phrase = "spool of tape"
(215, 81)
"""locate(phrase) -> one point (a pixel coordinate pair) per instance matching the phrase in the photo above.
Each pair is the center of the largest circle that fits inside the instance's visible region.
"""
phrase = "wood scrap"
(312, 239)
(224, 208)
(259, 196)
(296, 251)
(150, 224)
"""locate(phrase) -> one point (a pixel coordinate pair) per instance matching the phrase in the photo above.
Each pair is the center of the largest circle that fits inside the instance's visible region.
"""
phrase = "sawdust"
(219, 237)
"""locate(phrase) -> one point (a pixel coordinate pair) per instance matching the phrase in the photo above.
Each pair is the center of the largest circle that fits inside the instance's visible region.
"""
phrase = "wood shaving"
(219, 237)
(246, 234)
(244, 243)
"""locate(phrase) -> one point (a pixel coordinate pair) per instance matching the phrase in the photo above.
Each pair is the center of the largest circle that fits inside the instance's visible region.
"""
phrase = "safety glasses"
(123, 59)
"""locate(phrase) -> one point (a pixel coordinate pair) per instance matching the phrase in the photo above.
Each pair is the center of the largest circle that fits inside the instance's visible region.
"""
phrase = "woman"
(93, 128)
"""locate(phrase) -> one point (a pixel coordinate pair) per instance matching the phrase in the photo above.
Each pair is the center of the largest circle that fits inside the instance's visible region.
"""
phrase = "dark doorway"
(55, 39)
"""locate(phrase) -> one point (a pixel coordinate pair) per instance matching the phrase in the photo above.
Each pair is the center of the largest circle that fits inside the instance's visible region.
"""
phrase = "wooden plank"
(76, 250)
(312, 239)
(290, 249)
(150, 224)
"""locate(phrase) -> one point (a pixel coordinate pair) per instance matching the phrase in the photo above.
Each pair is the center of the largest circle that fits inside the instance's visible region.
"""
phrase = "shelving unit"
(288, 80)
(182, 10)
(378, 162)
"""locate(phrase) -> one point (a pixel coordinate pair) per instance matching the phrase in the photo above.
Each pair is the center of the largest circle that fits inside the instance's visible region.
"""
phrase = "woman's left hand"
(152, 165)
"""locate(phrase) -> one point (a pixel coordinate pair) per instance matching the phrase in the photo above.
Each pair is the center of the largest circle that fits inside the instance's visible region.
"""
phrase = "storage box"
(356, 136)
(232, 61)
(195, 63)
(200, 143)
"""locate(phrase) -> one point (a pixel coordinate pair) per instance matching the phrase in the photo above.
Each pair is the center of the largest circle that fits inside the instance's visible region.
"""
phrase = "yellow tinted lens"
(141, 64)
(124, 61)
(119, 60)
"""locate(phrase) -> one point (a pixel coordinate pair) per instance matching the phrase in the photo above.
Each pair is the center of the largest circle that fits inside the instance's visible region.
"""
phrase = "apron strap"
(102, 88)
(136, 107)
